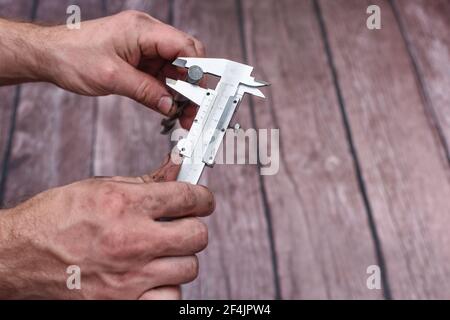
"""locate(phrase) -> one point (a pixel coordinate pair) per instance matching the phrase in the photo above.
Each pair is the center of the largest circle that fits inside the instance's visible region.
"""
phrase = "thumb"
(145, 89)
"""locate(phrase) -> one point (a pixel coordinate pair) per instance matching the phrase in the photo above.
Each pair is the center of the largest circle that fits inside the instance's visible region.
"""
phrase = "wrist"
(27, 57)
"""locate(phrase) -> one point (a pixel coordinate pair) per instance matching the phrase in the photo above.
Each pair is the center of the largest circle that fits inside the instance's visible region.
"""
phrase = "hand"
(129, 54)
(111, 229)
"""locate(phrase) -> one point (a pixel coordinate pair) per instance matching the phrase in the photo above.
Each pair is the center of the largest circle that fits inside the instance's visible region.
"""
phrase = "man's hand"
(112, 229)
(129, 54)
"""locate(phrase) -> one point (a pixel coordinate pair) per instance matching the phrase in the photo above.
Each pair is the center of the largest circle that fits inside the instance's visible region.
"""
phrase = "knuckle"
(109, 74)
(144, 93)
(135, 20)
(201, 47)
(133, 15)
(190, 42)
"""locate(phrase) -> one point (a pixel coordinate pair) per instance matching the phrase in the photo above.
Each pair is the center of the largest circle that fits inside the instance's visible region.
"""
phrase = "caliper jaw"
(216, 109)
(190, 91)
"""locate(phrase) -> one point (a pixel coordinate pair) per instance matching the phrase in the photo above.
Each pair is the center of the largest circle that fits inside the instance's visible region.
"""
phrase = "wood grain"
(52, 142)
(127, 134)
(18, 10)
(322, 235)
(403, 166)
(426, 26)
(237, 263)
(14, 10)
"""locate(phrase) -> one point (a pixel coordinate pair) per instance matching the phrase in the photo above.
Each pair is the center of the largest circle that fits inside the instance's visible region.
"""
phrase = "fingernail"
(166, 105)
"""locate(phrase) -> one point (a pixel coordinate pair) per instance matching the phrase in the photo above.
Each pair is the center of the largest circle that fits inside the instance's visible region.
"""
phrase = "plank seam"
(104, 5)
(8, 147)
(429, 109)
(95, 112)
(171, 13)
(356, 163)
(262, 187)
(9, 143)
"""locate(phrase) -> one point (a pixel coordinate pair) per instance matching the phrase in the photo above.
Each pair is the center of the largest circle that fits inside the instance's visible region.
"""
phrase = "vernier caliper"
(200, 146)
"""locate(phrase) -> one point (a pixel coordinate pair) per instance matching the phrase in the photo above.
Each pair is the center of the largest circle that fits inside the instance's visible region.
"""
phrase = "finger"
(144, 88)
(141, 241)
(171, 71)
(188, 116)
(177, 199)
(162, 293)
(146, 239)
(170, 271)
(168, 171)
(186, 122)
(190, 111)
(181, 237)
(200, 48)
(168, 43)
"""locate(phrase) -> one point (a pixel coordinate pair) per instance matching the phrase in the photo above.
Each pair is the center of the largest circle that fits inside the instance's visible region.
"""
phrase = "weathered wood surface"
(239, 250)
(52, 141)
(15, 10)
(323, 240)
(426, 25)
(402, 161)
(364, 128)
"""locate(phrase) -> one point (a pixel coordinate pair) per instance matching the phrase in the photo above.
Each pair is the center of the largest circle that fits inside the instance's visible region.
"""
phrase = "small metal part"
(170, 122)
(195, 74)
(216, 109)
(237, 127)
(180, 63)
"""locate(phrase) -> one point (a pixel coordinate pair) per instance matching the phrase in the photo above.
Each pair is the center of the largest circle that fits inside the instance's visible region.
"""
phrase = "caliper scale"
(216, 108)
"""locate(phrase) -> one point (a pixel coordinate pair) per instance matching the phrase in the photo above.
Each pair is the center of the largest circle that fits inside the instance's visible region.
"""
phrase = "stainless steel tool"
(216, 110)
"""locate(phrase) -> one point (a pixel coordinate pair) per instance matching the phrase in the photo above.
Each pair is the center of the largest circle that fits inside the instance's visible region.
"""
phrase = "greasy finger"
(177, 199)
(169, 271)
(181, 237)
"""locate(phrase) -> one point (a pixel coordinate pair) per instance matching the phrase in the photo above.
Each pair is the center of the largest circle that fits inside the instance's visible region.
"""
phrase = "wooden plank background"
(364, 132)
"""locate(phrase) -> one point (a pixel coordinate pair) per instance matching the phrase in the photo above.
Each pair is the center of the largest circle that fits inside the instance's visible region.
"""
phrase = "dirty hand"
(111, 229)
(129, 54)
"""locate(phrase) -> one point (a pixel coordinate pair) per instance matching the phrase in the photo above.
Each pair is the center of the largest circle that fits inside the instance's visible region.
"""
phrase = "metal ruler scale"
(216, 109)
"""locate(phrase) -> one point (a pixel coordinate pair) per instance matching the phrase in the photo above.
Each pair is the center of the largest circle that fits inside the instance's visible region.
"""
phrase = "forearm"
(22, 52)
